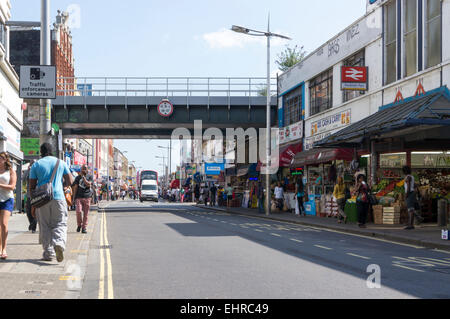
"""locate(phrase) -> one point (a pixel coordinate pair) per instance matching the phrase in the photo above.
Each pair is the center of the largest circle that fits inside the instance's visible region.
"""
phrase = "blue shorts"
(8, 205)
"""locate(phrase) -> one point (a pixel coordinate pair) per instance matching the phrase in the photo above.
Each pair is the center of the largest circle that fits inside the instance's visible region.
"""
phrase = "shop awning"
(429, 110)
(287, 154)
(322, 155)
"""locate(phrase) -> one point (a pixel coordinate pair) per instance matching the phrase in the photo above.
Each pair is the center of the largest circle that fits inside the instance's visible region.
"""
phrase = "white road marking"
(297, 240)
(259, 230)
(277, 235)
(323, 247)
(401, 266)
(355, 255)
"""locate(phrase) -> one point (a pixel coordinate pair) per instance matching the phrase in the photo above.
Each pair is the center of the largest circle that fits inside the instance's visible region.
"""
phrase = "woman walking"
(362, 200)
(8, 180)
(339, 194)
(300, 193)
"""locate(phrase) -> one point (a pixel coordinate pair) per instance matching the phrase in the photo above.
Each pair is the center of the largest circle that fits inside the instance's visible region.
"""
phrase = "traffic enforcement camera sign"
(38, 82)
(354, 78)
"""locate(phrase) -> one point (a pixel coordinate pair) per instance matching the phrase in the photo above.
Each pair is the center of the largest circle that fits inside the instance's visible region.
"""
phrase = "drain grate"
(105, 247)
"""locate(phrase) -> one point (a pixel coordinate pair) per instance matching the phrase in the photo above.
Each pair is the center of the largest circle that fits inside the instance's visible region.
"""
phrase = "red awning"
(175, 183)
(322, 155)
(287, 154)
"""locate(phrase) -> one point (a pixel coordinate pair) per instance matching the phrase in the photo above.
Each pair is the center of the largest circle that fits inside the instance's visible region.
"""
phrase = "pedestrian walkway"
(425, 235)
(25, 276)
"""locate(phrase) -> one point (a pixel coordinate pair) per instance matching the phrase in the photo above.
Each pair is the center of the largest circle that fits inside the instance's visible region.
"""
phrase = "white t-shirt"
(278, 192)
(411, 184)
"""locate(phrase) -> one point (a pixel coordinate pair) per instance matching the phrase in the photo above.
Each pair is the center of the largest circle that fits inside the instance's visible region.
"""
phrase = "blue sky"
(188, 38)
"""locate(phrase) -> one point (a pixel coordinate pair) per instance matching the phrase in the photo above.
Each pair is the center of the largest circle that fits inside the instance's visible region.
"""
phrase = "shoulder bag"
(43, 194)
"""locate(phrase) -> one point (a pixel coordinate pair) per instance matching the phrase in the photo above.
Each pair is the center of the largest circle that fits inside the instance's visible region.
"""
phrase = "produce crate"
(391, 215)
(377, 214)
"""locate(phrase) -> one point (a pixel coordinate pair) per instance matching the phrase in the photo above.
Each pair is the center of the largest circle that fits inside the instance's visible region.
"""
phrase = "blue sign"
(214, 168)
(85, 89)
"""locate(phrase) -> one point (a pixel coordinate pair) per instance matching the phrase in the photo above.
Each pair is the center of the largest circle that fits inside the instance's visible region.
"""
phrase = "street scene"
(225, 157)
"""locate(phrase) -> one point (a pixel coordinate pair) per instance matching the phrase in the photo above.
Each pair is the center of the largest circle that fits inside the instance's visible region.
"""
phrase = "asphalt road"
(159, 250)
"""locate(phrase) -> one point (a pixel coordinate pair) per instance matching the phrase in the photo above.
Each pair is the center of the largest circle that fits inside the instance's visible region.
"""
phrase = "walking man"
(82, 193)
(52, 216)
(213, 191)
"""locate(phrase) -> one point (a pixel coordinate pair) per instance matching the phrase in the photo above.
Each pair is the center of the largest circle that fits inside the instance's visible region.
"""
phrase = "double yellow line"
(104, 249)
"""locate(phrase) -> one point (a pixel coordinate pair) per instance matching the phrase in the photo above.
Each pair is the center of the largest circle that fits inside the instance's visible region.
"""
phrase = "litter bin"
(351, 211)
(442, 213)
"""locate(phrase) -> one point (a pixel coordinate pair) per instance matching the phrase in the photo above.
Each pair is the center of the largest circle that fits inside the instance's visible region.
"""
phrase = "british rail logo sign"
(354, 78)
(37, 82)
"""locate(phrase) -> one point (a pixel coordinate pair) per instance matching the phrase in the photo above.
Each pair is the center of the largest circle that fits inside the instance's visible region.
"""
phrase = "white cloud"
(225, 38)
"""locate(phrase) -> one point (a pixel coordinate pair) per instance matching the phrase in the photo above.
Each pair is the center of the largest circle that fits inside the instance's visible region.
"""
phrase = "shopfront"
(321, 168)
(414, 132)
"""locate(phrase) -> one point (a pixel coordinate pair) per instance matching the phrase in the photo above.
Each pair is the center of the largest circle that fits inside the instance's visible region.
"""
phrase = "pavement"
(424, 235)
(25, 276)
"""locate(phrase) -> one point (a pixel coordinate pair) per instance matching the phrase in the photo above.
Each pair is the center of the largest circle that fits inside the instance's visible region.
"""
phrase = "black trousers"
(300, 204)
(31, 219)
(362, 210)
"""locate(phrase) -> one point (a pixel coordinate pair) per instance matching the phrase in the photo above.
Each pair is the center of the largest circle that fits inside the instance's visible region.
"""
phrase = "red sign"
(165, 108)
(79, 159)
(357, 74)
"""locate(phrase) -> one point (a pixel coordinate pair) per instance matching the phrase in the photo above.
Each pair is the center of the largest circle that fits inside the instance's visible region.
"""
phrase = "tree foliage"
(290, 57)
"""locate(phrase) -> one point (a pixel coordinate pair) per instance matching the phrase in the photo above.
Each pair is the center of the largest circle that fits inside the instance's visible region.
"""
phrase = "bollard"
(442, 217)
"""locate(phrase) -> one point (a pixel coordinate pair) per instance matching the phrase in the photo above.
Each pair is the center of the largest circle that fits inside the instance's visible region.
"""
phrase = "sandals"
(4, 256)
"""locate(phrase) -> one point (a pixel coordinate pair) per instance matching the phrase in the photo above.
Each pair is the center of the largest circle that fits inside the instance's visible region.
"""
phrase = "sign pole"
(45, 108)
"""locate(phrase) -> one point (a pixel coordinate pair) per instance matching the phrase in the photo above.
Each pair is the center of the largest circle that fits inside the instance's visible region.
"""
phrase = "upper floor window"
(355, 60)
(390, 42)
(293, 106)
(2, 34)
(433, 33)
(321, 92)
(410, 36)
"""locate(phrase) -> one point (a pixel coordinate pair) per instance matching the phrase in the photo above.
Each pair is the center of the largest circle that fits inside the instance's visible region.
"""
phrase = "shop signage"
(309, 141)
(354, 78)
(214, 168)
(38, 82)
(79, 159)
(331, 122)
(165, 108)
(291, 133)
(30, 146)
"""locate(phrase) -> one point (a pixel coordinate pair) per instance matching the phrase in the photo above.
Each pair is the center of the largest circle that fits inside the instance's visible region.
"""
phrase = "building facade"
(402, 46)
(11, 107)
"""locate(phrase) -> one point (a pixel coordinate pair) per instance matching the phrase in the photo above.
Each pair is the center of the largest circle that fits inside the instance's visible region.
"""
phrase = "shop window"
(390, 42)
(410, 36)
(293, 107)
(356, 60)
(321, 92)
(433, 32)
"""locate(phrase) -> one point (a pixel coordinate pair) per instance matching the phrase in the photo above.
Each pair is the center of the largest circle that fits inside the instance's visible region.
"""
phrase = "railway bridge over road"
(127, 108)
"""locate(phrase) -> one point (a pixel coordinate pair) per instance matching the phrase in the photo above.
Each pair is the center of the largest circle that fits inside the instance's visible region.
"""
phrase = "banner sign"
(291, 133)
(331, 122)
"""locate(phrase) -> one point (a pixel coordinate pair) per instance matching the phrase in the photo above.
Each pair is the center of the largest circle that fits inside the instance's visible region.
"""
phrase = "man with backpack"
(52, 215)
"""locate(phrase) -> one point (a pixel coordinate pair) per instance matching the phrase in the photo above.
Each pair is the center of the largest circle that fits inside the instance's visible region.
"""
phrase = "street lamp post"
(164, 168)
(268, 35)
(169, 155)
